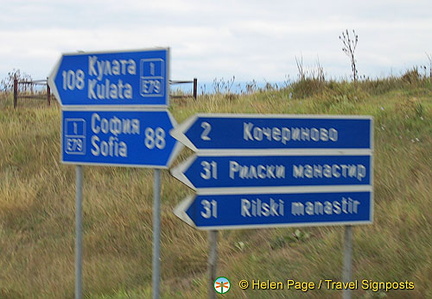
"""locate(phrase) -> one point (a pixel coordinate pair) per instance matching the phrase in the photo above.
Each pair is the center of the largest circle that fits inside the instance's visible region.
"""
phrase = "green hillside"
(37, 202)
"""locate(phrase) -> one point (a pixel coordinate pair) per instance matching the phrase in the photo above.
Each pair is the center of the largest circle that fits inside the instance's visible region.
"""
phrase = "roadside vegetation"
(37, 195)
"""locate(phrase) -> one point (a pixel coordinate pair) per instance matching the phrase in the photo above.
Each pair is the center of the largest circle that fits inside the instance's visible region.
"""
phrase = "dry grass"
(37, 210)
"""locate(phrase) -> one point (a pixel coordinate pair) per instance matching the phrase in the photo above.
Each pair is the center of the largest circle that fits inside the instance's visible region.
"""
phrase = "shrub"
(411, 76)
(337, 92)
(307, 87)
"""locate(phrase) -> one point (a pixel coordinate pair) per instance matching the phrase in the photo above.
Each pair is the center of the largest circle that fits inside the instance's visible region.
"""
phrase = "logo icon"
(222, 285)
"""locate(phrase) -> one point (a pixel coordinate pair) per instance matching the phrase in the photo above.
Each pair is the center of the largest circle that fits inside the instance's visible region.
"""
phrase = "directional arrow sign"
(118, 138)
(214, 212)
(228, 172)
(131, 78)
(229, 131)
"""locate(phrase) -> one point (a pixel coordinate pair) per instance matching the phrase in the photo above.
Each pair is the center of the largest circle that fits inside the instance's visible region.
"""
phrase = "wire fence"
(28, 90)
(194, 90)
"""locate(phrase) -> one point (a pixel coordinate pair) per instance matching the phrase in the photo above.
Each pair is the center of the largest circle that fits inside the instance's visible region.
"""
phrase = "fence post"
(48, 94)
(15, 91)
(195, 87)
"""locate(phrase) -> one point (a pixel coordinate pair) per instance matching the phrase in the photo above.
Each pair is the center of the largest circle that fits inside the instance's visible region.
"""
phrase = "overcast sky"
(248, 39)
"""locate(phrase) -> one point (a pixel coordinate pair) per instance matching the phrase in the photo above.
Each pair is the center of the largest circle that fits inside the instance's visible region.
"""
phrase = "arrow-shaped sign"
(231, 211)
(249, 131)
(252, 171)
(130, 78)
(118, 138)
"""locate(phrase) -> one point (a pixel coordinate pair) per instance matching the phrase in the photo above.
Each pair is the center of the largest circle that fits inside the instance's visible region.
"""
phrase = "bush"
(411, 76)
(307, 87)
(337, 92)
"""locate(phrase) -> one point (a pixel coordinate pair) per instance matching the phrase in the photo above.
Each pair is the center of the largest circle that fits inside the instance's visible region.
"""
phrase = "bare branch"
(349, 46)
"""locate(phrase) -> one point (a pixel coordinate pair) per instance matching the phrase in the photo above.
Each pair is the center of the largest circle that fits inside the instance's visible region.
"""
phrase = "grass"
(37, 206)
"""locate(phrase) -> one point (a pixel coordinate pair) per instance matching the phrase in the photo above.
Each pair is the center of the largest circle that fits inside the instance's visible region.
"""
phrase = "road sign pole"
(347, 260)
(289, 159)
(156, 232)
(111, 135)
(78, 228)
(212, 262)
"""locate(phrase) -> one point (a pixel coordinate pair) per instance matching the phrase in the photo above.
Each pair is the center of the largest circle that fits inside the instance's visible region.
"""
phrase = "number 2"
(207, 127)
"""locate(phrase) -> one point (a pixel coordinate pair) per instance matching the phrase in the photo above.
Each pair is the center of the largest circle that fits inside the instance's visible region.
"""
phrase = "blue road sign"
(118, 138)
(230, 172)
(129, 78)
(230, 211)
(230, 131)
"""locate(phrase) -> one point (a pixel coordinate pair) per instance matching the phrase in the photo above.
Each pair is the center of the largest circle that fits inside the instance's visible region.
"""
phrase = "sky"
(209, 39)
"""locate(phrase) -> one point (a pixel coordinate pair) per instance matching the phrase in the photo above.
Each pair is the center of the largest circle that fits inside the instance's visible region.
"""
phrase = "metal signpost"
(114, 113)
(259, 171)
